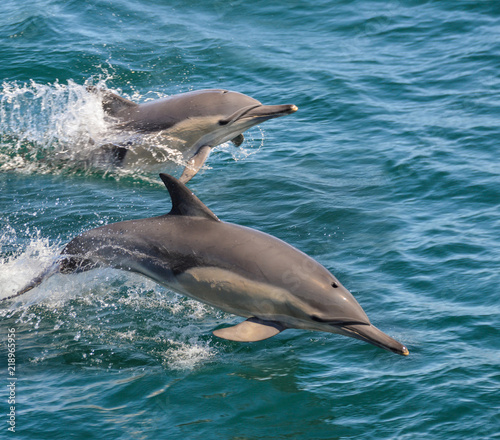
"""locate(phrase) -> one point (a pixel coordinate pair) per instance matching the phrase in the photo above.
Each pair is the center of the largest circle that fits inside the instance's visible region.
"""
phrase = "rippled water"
(388, 175)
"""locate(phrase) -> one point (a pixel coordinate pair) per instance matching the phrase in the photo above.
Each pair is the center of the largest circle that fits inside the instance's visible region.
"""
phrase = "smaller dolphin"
(192, 122)
(234, 268)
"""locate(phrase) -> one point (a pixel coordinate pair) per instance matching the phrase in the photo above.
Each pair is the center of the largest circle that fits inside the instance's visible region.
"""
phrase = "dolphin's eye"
(335, 285)
(223, 122)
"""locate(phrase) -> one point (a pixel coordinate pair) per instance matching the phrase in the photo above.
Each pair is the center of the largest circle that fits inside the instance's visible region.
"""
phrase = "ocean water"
(388, 175)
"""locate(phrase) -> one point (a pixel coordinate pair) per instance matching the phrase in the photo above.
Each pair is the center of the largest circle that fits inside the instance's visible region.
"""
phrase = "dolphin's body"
(231, 267)
(192, 122)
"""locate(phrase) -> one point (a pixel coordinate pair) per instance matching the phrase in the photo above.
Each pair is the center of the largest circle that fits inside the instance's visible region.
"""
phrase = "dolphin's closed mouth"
(259, 111)
(339, 322)
(271, 111)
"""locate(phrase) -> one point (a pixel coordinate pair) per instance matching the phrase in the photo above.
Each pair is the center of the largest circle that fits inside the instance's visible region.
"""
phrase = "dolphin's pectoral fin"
(238, 140)
(195, 163)
(251, 330)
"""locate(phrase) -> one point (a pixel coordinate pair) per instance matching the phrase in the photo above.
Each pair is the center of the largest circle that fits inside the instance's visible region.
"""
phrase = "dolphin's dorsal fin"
(111, 102)
(184, 202)
(114, 104)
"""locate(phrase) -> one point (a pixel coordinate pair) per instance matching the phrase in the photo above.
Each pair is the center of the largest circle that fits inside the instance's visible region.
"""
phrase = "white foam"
(187, 355)
(17, 269)
(54, 128)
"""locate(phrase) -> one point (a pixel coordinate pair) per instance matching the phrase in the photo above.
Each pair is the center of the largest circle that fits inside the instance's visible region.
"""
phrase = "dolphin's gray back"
(165, 113)
(175, 249)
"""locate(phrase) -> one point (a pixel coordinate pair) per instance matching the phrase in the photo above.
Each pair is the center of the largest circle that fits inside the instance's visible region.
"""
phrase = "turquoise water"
(388, 175)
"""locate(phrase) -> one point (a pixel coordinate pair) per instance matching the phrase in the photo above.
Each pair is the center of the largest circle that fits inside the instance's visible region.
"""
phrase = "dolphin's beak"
(371, 334)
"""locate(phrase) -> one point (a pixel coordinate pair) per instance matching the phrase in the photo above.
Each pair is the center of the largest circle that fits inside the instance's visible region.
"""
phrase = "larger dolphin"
(192, 122)
(231, 267)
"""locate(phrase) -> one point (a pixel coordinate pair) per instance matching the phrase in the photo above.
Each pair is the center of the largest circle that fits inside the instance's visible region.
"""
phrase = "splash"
(62, 128)
(188, 355)
(19, 267)
(247, 149)
(47, 127)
